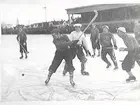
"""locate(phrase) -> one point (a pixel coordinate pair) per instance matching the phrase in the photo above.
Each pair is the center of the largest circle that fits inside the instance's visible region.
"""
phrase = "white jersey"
(75, 36)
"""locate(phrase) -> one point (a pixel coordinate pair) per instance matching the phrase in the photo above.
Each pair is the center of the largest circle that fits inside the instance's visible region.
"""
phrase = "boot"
(108, 65)
(131, 78)
(93, 55)
(116, 67)
(21, 56)
(26, 56)
(71, 79)
(83, 72)
(64, 72)
(115, 64)
(65, 69)
(48, 78)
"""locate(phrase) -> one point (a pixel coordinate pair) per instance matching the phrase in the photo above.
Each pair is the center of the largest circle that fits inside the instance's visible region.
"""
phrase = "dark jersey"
(62, 43)
(105, 39)
(131, 43)
(94, 34)
(137, 32)
(22, 36)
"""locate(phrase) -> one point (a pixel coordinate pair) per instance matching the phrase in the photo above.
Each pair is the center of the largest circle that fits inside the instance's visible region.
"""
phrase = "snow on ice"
(102, 84)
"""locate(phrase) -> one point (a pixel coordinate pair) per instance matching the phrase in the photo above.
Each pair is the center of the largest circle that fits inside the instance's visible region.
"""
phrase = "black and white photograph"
(69, 50)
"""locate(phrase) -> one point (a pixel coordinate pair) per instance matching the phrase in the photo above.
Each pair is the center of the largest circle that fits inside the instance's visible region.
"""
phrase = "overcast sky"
(31, 11)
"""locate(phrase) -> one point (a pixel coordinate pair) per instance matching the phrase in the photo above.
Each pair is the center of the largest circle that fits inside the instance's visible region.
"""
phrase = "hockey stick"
(22, 47)
(96, 14)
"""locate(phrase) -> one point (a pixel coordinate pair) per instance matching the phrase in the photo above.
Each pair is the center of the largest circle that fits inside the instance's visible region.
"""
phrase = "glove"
(115, 47)
(121, 49)
(88, 53)
(75, 41)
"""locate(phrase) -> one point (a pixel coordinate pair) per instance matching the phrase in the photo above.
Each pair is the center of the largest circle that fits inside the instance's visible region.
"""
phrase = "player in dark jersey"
(63, 51)
(107, 46)
(22, 39)
(94, 37)
(133, 49)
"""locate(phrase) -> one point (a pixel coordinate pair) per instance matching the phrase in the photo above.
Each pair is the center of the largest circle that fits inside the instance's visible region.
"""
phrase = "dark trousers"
(111, 53)
(23, 48)
(129, 60)
(80, 54)
(59, 56)
(78, 51)
(95, 45)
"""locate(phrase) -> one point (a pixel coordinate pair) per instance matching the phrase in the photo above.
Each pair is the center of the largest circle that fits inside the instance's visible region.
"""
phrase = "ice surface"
(102, 84)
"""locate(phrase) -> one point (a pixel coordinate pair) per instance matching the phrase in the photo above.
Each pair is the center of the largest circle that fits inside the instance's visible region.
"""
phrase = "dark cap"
(56, 30)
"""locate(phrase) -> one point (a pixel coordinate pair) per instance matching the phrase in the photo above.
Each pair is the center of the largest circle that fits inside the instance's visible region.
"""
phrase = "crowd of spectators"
(47, 27)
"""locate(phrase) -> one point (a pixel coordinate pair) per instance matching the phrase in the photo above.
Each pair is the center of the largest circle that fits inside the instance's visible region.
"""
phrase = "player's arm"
(97, 36)
(25, 36)
(70, 36)
(63, 44)
(17, 37)
(114, 41)
(131, 47)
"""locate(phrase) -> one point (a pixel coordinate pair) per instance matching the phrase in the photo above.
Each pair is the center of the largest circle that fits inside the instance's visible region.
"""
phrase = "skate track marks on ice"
(102, 84)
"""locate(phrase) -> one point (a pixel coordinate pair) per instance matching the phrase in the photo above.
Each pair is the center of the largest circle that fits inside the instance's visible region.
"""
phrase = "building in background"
(114, 15)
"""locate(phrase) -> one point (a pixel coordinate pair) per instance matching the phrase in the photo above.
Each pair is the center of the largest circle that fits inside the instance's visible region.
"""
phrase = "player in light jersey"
(82, 44)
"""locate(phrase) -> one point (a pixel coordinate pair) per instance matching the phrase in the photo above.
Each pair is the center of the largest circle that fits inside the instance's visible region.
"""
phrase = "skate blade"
(131, 81)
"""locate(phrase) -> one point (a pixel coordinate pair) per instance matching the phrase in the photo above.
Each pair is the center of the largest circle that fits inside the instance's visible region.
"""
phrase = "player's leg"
(25, 50)
(127, 65)
(70, 68)
(98, 48)
(111, 53)
(81, 56)
(73, 52)
(103, 56)
(55, 64)
(21, 50)
(65, 69)
(93, 48)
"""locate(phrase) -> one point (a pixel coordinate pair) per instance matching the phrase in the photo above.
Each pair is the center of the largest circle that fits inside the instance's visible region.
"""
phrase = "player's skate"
(26, 56)
(48, 78)
(108, 65)
(115, 64)
(84, 73)
(21, 56)
(131, 78)
(93, 55)
(64, 72)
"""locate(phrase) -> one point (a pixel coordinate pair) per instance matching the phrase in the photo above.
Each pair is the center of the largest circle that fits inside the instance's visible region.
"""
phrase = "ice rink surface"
(102, 84)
